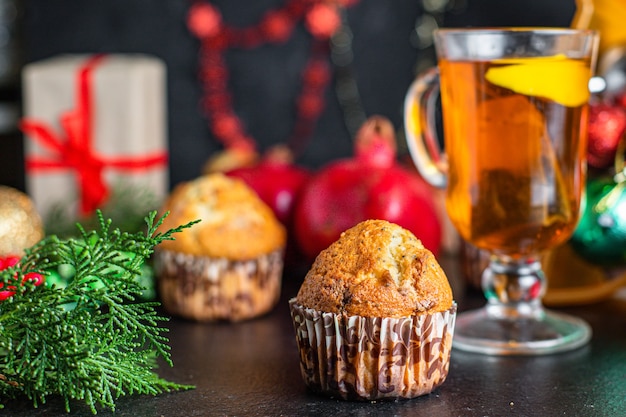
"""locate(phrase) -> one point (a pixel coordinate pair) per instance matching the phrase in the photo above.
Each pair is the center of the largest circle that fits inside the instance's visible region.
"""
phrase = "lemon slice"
(556, 78)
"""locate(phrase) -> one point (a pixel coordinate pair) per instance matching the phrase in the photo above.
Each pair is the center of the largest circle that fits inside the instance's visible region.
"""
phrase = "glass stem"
(514, 287)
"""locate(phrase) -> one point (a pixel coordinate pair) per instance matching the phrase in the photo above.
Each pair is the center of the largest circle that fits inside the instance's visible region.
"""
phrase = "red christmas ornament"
(607, 125)
(276, 180)
(371, 185)
(620, 99)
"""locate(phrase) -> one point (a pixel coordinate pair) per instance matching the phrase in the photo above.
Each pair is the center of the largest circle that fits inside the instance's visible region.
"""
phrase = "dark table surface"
(251, 369)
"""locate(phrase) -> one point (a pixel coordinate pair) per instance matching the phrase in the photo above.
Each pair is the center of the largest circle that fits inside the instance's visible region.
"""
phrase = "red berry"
(36, 278)
(8, 261)
(6, 294)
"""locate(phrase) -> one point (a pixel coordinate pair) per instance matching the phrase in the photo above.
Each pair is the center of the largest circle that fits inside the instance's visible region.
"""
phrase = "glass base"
(547, 332)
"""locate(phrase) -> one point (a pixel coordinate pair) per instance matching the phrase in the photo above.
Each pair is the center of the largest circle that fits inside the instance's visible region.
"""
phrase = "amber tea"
(513, 143)
(514, 106)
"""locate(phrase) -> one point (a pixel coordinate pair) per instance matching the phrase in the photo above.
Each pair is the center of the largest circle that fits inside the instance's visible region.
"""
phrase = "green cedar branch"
(91, 341)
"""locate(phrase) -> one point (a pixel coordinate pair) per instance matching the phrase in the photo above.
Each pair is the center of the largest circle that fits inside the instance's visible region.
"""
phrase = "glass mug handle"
(420, 105)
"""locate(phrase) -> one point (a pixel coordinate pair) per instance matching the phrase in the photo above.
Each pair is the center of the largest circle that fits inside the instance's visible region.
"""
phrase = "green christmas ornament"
(601, 234)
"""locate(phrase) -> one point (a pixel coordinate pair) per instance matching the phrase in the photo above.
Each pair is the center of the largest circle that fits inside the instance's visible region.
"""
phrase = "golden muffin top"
(235, 223)
(376, 269)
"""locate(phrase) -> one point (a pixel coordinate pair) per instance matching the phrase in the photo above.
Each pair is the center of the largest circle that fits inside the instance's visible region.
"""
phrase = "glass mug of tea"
(514, 105)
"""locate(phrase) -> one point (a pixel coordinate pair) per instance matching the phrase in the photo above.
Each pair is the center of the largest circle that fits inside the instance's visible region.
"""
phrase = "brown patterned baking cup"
(211, 289)
(365, 358)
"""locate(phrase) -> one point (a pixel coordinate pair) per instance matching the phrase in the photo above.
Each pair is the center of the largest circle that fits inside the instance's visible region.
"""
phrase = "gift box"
(92, 122)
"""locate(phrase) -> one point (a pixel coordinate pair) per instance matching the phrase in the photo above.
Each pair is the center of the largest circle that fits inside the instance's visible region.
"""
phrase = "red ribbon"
(72, 147)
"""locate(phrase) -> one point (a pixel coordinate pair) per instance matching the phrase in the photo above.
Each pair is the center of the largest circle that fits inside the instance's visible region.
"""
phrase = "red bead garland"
(320, 18)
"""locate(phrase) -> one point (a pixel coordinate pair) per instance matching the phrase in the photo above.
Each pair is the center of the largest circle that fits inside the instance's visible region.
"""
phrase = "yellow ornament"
(608, 17)
(574, 281)
(20, 224)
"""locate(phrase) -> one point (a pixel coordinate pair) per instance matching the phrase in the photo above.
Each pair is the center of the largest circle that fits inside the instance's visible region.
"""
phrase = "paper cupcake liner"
(363, 358)
(206, 289)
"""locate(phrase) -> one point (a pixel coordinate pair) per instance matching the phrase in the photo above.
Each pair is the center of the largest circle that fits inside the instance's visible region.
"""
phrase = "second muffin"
(228, 266)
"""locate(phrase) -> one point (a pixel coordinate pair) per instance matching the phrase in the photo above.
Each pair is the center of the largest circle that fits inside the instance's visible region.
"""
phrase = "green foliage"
(107, 345)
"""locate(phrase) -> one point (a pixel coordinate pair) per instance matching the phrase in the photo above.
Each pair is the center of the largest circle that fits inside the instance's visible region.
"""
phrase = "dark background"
(264, 82)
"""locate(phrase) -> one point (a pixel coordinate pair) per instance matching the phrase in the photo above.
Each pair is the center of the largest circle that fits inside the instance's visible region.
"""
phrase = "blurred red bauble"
(371, 185)
(277, 182)
(607, 125)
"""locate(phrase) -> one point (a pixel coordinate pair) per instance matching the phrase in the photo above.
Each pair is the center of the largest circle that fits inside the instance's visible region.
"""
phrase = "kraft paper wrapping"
(129, 120)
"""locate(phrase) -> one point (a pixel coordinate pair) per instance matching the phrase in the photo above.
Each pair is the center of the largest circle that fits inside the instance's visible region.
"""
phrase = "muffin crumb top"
(376, 269)
(235, 223)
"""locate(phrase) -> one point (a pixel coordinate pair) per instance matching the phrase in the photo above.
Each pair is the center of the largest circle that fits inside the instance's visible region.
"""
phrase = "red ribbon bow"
(73, 149)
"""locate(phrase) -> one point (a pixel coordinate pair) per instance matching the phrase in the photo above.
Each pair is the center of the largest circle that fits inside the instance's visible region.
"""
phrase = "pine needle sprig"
(90, 341)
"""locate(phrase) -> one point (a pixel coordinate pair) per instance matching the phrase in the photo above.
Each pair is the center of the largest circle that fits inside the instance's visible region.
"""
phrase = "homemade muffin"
(374, 316)
(228, 266)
